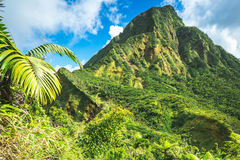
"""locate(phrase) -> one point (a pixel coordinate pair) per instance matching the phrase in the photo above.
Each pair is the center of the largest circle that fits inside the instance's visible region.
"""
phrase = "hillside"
(171, 77)
(159, 90)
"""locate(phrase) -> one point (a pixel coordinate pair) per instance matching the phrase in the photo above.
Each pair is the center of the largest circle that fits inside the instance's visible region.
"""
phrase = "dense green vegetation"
(157, 91)
(36, 77)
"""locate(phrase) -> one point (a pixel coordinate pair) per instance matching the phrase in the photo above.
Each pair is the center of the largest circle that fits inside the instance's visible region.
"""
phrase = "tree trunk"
(165, 154)
(5, 90)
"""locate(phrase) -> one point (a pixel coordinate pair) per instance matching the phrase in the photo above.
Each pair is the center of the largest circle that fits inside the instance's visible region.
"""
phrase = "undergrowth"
(27, 135)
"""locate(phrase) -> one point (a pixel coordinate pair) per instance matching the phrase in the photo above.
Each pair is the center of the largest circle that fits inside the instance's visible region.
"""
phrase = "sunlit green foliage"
(25, 134)
(36, 77)
(174, 80)
(104, 132)
(178, 92)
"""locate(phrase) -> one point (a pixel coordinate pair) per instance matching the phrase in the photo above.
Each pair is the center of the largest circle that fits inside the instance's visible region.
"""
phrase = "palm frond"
(35, 76)
(45, 49)
(3, 27)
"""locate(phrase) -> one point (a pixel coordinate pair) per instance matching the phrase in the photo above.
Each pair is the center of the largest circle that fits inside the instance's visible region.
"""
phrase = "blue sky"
(85, 26)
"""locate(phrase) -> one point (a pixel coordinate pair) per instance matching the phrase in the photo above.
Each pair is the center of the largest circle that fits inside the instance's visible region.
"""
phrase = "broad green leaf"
(43, 50)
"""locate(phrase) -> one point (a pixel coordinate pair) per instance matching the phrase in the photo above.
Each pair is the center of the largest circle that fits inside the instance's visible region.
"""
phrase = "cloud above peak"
(114, 16)
(219, 20)
(115, 30)
(28, 20)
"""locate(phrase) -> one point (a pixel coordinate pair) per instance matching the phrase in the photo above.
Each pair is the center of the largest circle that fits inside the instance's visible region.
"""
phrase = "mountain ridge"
(173, 78)
(161, 49)
(125, 34)
(141, 32)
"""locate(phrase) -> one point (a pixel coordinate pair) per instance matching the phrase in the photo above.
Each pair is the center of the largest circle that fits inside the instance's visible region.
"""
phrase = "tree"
(36, 77)
(165, 147)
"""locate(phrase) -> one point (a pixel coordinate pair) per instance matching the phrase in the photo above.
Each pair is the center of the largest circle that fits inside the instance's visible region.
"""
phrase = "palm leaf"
(3, 27)
(45, 49)
(35, 76)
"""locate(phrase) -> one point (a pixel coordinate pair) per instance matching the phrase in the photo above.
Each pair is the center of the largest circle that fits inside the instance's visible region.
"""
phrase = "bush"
(104, 132)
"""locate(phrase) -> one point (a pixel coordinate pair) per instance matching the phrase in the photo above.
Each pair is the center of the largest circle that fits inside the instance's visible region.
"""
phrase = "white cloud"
(113, 9)
(83, 61)
(51, 58)
(125, 6)
(219, 20)
(171, 2)
(224, 38)
(115, 30)
(68, 67)
(28, 20)
(108, 41)
(114, 16)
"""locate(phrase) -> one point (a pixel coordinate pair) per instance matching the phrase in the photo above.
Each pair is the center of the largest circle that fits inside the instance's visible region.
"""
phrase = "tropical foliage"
(161, 91)
(36, 77)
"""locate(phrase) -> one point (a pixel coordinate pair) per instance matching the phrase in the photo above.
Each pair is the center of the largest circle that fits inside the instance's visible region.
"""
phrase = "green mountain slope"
(173, 79)
(143, 47)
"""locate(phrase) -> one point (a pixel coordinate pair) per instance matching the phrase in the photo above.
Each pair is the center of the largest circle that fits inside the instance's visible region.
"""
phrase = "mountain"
(164, 45)
(179, 86)
(143, 47)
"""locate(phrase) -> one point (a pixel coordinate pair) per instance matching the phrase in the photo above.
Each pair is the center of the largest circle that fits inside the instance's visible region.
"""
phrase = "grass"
(24, 135)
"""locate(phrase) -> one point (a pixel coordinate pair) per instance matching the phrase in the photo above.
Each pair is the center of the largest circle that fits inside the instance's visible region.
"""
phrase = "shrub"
(104, 132)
